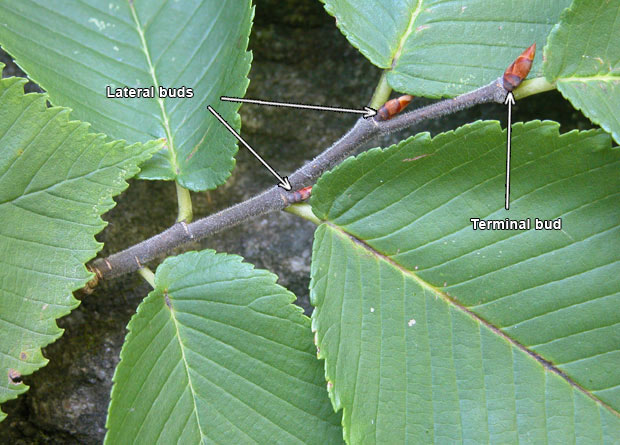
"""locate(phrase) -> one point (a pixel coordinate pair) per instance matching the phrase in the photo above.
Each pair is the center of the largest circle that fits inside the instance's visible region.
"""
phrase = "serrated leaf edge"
(168, 265)
(77, 283)
(424, 284)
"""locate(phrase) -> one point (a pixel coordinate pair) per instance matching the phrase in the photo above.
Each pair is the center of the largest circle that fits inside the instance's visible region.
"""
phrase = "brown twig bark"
(276, 198)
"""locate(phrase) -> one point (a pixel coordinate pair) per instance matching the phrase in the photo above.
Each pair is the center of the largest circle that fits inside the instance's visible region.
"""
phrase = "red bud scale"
(302, 194)
(393, 107)
(519, 69)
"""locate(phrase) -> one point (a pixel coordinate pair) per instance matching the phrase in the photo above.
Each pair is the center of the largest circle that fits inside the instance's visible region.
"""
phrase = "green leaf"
(435, 48)
(583, 59)
(458, 335)
(75, 49)
(56, 179)
(217, 353)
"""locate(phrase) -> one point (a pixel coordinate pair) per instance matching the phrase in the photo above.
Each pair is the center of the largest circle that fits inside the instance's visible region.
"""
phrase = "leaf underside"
(217, 353)
(75, 49)
(583, 58)
(462, 335)
(56, 180)
(438, 48)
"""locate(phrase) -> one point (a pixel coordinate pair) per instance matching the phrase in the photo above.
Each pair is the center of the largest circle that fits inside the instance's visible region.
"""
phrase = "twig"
(276, 198)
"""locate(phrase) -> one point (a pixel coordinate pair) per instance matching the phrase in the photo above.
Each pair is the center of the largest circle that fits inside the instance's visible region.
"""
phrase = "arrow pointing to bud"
(510, 101)
(284, 182)
(367, 111)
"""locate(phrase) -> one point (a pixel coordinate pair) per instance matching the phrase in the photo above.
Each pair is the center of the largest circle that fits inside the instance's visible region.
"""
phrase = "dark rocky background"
(299, 56)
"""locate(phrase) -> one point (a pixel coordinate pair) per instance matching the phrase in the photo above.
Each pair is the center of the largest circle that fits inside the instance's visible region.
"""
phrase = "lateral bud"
(519, 69)
(393, 107)
(301, 194)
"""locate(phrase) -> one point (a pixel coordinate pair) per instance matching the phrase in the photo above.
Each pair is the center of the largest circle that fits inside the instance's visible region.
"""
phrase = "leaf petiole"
(304, 211)
(185, 204)
(382, 92)
(148, 275)
(533, 86)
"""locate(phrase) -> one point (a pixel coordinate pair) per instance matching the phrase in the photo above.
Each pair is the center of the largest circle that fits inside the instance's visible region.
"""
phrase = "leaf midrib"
(456, 304)
(601, 77)
(160, 101)
(186, 367)
(408, 31)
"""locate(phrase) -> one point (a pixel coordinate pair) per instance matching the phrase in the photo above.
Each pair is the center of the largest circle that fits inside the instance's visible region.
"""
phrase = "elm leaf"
(463, 335)
(75, 49)
(56, 180)
(435, 48)
(583, 59)
(218, 354)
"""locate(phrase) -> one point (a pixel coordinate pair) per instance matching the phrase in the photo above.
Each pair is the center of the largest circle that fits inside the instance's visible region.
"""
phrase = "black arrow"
(510, 101)
(367, 111)
(284, 183)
